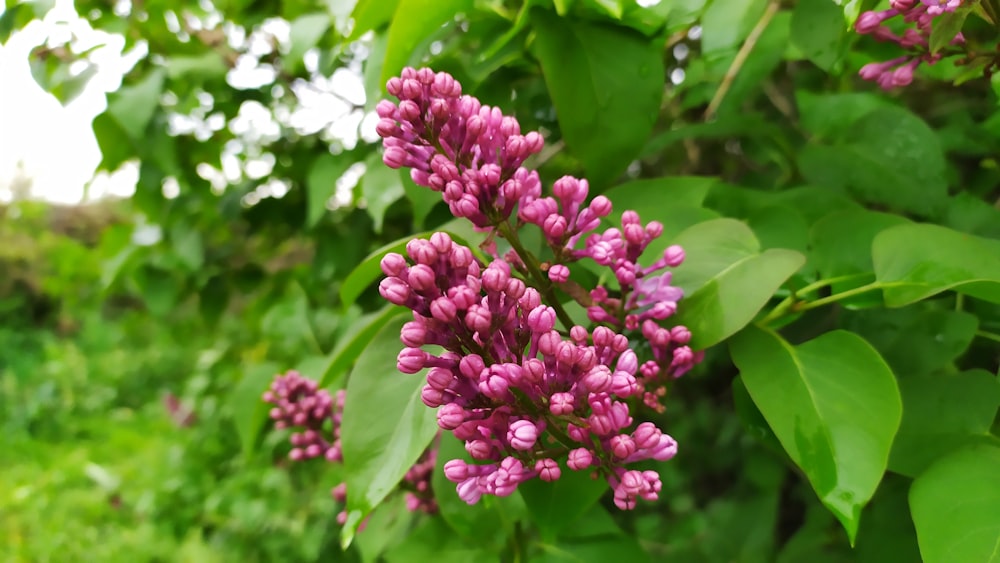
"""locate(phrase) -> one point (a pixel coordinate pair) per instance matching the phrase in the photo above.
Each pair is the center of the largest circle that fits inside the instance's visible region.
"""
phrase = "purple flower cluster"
(300, 404)
(518, 392)
(920, 13)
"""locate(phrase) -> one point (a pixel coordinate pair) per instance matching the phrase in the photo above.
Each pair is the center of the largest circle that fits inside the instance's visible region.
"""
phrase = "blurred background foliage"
(136, 335)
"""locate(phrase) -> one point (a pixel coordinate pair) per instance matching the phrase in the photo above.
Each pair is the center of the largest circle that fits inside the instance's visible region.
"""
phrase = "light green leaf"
(385, 427)
(726, 24)
(414, 21)
(731, 299)
(133, 106)
(711, 247)
(207, 66)
(305, 33)
(371, 15)
(606, 83)
(358, 336)
(918, 261)
(187, 245)
(381, 186)
(834, 405)
(956, 507)
(321, 182)
(250, 412)
(948, 25)
(942, 413)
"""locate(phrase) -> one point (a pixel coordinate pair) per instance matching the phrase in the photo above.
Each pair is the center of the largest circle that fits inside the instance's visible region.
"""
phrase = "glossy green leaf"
(321, 182)
(371, 15)
(606, 84)
(956, 507)
(381, 186)
(250, 412)
(942, 413)
(556, 506)
(709, 249)
(351, 344)
(385, 426)
(834, 405)
(731, 299)
(818, 31)
(414, 21)
(919, 261)
(652, 195)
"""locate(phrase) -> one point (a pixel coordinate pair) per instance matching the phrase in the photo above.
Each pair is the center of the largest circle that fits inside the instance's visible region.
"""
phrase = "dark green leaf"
(726, 24)
(942, 413)
(556, 506)
(834, 405)
(606, 83)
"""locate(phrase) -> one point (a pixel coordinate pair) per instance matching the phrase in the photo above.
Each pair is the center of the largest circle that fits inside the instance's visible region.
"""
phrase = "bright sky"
(55, 144)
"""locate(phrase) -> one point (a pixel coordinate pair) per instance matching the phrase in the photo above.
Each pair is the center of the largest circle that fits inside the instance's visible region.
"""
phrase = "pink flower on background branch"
(518, 391)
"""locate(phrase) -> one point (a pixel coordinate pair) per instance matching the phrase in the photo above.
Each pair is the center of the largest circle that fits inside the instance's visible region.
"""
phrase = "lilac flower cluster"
(920, 13)
(516, 390)
(300, 404)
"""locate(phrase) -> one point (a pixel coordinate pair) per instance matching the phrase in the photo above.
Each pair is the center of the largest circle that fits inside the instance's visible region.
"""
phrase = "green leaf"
(381, 186)
(834, 405)
(956, 507)
(598, 548)
(358, 336)
(556, 506)
(829, 116)
(942, 413)
(606, 84)
(818, 31)
(369, 15)
(207, 66)
(250, 412)
(779, 226)
(651, 195)
(888, 157)
(133, 106)
(421, 198)
(918, 261)
(305, 32)
(733, 298)
(187, 245)
(414, 21)
(380, 449)
(710, 248)
(10, 20)
(948, 25)
(481, 523)
(726, 24)
(373, 71)
(433, 540)
(611, 8)
(886, 535)
(321, 182)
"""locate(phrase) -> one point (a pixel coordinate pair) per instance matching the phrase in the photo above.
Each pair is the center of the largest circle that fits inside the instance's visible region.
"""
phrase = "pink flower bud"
(622, 446)
(548, 469)
(561, 404)
(522, 435)
(579, 459)
(665, 448)
(456, 470)
(479, 449)
(450, 416)
(559, 273)
(411, 360)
